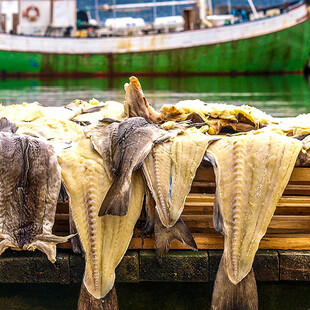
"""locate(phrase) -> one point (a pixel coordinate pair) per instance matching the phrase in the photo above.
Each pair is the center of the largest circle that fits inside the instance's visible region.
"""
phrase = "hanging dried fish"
(29, 186)
(104, 239)
(123, 147)
(251, 174)
(169, 170)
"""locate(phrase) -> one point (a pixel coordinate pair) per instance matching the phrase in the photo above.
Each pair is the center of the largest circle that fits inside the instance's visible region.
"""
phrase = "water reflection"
(285, 95)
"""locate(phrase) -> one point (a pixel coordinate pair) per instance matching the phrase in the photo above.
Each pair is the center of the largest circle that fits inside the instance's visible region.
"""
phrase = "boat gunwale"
(301, 20)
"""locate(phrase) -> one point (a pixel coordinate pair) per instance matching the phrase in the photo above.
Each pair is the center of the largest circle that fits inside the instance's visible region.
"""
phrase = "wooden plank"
(192, 197)
(294, 265)
(206, 174)
(291, 189)
(265, 265)
(215, 241)
(278, 224)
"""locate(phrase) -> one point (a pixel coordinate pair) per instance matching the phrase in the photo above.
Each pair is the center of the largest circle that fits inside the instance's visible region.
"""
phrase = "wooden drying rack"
(289, 227)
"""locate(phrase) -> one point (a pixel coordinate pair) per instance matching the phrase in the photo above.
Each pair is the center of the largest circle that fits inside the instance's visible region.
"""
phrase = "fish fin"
(47, 244)
(109, 120)
(207, 157)
(93, 109)
(116, 201)
(88, 301)
(150, 213)
(75, 241)
(217, 216)
(53, 238)
(228, 296)
(144, 155)
(47, 248)
(163, 138)
(4, 244)
(165, 235)
(63, 196)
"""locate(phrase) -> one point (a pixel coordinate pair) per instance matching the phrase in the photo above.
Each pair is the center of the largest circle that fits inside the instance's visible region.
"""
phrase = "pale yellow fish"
(252, 172)
(170, 169)
(104, 239)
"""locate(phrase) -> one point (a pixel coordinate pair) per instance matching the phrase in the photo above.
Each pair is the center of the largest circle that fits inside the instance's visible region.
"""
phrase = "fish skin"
(169, 170)
(29, 183)
(123, 147)
(228, 296)
(165, 235)
(104, 239)
(251, 174)
(150, 205)
(7, 126)
(136, 104)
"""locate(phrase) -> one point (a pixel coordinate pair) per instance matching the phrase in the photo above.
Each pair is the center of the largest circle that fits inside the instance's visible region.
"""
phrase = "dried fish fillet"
(123, 147)
(7, 126)
(136, 104)
(29, 183)
(28, 112)
(92, 115)
(104, 239)
(51, 129)
(169, 170)
(251, 174)
(218, 116)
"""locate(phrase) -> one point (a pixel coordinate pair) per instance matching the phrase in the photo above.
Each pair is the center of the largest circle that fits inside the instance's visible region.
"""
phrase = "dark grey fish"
(29, 186)
(123, 147)
(7, 126)
(165, 235)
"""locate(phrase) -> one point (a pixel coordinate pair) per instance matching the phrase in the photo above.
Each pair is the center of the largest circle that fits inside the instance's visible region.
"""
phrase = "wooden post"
(15, 23)
(3, 22)
(52, 13)
(88, 302)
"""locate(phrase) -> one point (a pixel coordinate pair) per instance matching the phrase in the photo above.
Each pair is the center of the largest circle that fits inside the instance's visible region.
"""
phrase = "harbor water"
(278, 95)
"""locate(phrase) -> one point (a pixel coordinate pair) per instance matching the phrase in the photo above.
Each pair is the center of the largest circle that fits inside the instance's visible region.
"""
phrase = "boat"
(276, 44)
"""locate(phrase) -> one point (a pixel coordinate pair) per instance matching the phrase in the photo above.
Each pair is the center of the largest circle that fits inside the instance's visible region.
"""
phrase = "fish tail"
(116, 201)
(88, 301)
(165, 235)
(228, 296)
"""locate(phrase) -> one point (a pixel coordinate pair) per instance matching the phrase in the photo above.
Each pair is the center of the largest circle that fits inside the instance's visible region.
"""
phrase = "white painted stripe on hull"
(153, 42)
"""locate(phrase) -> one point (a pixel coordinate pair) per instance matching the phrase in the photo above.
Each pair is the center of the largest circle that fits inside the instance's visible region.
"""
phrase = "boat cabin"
(37, 17)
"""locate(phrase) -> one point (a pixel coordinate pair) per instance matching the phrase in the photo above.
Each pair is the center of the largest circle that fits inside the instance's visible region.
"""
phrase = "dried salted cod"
(218, 116)
(7, 126)
(51, 129)
(109, 109)
(28, 112)
(123, 147)
(169, 170)
(29, 182)
(136, 104)
(251, 174)
(104, 239)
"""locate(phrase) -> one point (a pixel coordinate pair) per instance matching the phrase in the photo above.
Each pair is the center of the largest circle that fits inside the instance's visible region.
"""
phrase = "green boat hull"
(284, 51)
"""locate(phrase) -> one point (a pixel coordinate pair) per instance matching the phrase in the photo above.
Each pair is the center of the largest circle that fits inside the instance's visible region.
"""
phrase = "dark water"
(284, 95)
(151, 296)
